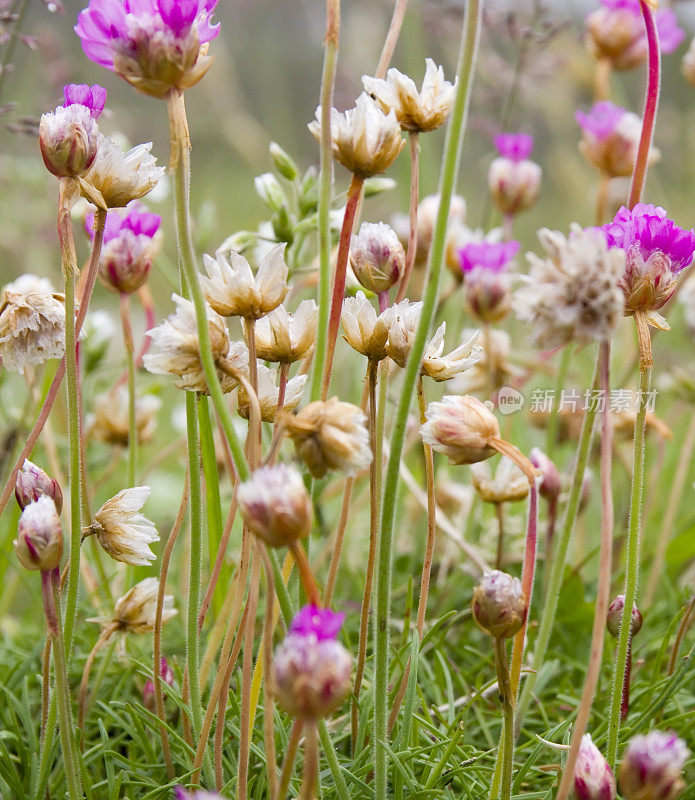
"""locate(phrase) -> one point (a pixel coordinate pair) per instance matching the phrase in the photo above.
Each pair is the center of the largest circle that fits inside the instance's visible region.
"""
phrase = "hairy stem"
(505, 693)
(414, 142)
(431, 517)
(130, 358)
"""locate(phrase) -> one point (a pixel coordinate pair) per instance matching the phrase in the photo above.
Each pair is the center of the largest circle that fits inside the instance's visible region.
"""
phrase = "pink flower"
(92, 97)
(514, 146)
(321, 622)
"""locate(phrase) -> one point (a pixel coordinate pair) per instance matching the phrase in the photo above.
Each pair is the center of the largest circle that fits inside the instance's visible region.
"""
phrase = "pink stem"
(150, 320)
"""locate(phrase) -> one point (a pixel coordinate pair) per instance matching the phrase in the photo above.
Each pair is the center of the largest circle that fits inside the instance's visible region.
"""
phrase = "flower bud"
(276, 505)
(551, 483)
(32, 482)
(461, 428)
(284, 164)
(614, 617)
(311, 670)
(68, 138)
(593, 778)
(269, 190)
(499, 604)
(651, 767)
(514, 180)
(166, 675)
(39, 542)
(377, 257)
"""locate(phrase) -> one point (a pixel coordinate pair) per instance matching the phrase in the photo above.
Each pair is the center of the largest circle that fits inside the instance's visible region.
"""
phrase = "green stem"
(449, 172)
(504, 688)
(132, 418)
(212, 481)
(551, 437)
(330, 58)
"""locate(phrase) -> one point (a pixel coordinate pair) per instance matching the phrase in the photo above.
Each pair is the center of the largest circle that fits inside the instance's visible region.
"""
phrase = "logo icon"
(509, 400)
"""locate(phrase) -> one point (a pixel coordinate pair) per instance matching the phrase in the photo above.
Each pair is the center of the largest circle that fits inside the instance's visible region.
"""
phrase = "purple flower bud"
(377, 257)
(167, 676)
(614, 617)
(32, 482)
(491, 256)
(92, 97)
(551, 482)
(320, 622)
(514, 180)
(487, 282)
(39, 542)
(651, 767)
(68, 138)
(514, 146)
(610, 138)
(499, 604)
(593, 778)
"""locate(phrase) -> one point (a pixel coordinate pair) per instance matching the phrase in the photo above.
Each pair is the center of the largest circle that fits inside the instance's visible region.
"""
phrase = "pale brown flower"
(110, 419)
(284, 337)
(135, 611)
(123, 532)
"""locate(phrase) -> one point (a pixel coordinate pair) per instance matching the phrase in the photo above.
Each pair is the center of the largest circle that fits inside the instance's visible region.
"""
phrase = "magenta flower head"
(32, 482)
(656, 251)
(610, 138)
(199, 794)
(311, 670)
(158, 46)
(514, 180)
(616, 33)
(69, 136)
(130, 244)
(484, 265)
(652, 767)
(593, 778)
(167, 676)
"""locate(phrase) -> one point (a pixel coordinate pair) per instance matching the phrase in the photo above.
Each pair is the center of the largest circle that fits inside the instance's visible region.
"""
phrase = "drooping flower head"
(593, 778)
(514, 146)
(617, 33)
(652, 767)
(514, 180)
(156, 45)
(135, 611)
(462, 428)
(656, 251)
(109, 421)
(484, 265)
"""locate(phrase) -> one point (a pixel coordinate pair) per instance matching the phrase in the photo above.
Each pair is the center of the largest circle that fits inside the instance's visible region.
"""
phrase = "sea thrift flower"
(176, 349)
(616, 32)
(573, 294)
(550, 484)
(507, 485)
(652, 767)
(116, 178)
(656, 251)
(166, 675)
(486, 278)
(156, 45)
(181, 794)
(269, 394)
(330, 435)
(461, 428)
(426, 217)
(593, 778)
(443, 367)
(284, 337)
(276, 505)
(377, 257)
(110, 418)
(32, 482)
(415, 111)
(122, 530)
(135, 611)
(364, 139)
(688, 64)
(232, 289)
(32, 323)
(69, 136)
(614, 617)
(39, 542)
(364, 330)
(311, 670)
(610, 138)
(130, 243)
(514, 180)
(499, 604)
(403, 319)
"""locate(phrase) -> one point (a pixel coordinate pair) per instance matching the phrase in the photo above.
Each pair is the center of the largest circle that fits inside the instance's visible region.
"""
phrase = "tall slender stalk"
(431, 517)
(414, 142)
(130, 358)
(452, 149)
(391, 38)
(505, 693)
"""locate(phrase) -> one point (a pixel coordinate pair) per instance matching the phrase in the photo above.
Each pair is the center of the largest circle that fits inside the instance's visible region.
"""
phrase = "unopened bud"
(499, 604)
(269, 190)
(166, 675)
(39, 542)
(652, 767)
(614, 617)
(593, 778)
(32, 482)
(514, 185)
(461, 428)
(283, 163)
(377, 257)
(68, 141)
(551, 483)
(276, 505)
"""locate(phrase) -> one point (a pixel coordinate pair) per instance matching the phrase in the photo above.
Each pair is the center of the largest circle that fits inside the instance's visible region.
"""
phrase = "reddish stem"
(625, 703)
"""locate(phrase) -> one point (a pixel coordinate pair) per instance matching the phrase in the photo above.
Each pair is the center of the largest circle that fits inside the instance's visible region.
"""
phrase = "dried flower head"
(499, 604)
(364, 330)
(364, 139)
(514, 180)
(32, 482)
(688, 64)
(156, 45)
(330, 435)
(109, 420)
(135, 611)
(652, 767)
(116, 178)
(426, 217)
(415, 110)
(487, 280)
(507, 485)
(269, 394)
(39, 542)
(32, 323)
(311, 670)
(593, 777)
(284, 337)
(232, 289)
(176, 349)
(402, 319)
(573, 294)
(276, 505)
(614, 617)
(123, 532)
(461, 428)
(377, 257)
(444, 367)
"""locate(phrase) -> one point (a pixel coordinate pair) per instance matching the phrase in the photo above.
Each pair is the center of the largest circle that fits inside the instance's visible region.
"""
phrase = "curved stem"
(104, 636)
(414, 141)
(391, 38)
(132, 418)
(466, 64)
(431, 517)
